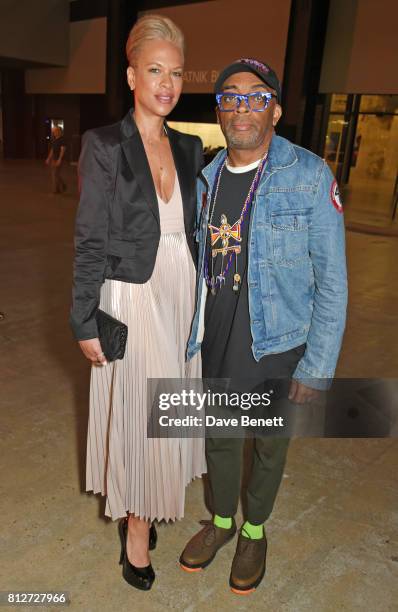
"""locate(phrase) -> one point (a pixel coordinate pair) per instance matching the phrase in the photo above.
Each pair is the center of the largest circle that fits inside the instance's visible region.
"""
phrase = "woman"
(135, 259)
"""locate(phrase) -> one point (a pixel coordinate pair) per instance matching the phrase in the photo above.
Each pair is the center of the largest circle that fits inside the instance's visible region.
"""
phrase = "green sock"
(224, 523)
(254, 532)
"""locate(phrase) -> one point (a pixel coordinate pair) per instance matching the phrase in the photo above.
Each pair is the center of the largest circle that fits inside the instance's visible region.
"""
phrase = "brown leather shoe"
(203, 547)
(248, 565)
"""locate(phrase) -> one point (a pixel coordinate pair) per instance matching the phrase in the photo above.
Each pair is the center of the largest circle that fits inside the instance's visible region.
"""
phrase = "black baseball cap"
(248, 64)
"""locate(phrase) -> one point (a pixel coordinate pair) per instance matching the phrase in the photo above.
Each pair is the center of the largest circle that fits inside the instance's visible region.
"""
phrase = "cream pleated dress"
(146, 476)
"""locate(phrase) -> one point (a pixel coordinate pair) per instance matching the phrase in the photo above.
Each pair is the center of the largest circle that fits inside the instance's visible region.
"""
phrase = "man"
(54, 159)
(271, 297)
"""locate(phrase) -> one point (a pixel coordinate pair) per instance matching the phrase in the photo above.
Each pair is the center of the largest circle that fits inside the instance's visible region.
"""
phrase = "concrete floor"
(370, 201)
(368, 207)
(333, 536)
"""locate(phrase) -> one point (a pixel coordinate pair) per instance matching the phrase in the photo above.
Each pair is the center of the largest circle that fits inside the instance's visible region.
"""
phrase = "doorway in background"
(361, 148)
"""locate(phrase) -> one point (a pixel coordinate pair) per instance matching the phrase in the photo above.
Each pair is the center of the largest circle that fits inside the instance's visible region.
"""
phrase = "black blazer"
(117, 223)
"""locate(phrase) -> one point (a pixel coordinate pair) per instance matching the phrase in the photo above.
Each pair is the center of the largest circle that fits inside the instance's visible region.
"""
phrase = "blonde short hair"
(152, 27)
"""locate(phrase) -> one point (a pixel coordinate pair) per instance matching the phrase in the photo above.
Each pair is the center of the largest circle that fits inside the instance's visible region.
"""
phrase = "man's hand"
(47, 161)
(58, 162)
(93, 351)
(300, 394)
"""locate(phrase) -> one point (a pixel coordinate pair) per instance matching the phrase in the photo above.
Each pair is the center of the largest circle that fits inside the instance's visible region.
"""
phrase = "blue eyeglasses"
(256, 102)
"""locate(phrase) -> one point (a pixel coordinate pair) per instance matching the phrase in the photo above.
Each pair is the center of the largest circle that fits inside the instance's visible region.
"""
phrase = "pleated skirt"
(137, 474)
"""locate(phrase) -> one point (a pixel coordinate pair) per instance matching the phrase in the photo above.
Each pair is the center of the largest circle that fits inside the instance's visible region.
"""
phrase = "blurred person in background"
(55, 158)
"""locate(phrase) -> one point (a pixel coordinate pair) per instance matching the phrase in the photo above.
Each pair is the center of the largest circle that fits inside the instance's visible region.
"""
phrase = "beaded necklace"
(228, 232)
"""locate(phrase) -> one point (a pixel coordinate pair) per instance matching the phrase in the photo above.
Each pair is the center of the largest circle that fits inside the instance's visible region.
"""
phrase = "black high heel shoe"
(138, 577)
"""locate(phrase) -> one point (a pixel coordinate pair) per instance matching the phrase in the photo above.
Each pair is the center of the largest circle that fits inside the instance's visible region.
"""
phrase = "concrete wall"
(86, 70)
(361, 50)
(219, 32)
(338, 45)
(374, 53)
(35, 31)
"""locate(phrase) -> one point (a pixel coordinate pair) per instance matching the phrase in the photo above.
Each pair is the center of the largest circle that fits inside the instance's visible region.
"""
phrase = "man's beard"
(250, 140)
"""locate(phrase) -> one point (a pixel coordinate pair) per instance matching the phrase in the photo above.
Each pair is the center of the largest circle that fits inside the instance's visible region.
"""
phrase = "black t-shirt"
(56, 144)
(226, 346)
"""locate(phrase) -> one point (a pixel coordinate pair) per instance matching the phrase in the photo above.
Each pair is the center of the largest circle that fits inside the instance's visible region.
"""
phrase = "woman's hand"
(93, 351)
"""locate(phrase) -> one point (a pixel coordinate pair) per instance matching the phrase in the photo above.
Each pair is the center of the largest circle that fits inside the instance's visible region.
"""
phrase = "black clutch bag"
(112, 335)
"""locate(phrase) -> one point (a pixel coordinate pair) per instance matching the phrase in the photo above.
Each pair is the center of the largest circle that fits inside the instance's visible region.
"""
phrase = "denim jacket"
(297, 280)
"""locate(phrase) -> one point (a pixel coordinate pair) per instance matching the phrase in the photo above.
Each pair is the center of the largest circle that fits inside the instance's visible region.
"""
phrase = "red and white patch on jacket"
(335, 197)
